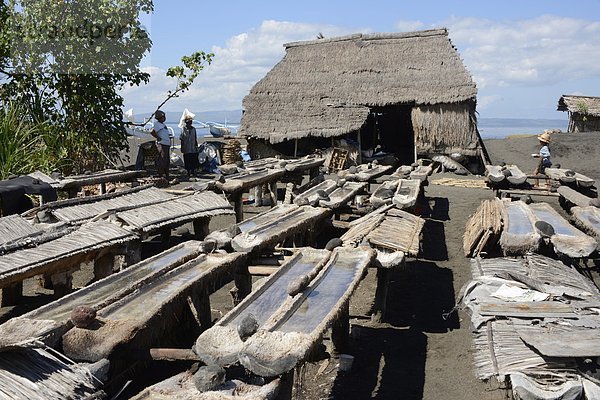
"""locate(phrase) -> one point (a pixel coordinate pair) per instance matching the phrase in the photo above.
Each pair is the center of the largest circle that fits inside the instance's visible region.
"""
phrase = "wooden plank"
(538, 309)
(572, 343)
(262, 270)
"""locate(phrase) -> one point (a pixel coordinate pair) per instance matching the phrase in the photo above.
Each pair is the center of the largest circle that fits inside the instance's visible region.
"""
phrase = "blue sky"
(523, 55)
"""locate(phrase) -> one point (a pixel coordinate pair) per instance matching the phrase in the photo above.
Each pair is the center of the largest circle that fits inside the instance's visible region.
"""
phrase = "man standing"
(163, 143)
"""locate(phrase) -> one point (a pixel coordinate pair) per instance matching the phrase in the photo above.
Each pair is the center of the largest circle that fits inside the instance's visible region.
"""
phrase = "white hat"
(186, 115)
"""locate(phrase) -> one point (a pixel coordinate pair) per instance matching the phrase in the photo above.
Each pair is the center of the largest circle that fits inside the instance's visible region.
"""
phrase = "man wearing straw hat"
(544, 154)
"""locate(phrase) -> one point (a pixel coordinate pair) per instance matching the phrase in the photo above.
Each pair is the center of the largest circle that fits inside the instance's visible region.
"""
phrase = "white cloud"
(511, 57)
(409, 26)
(237, 66)
(545, 50)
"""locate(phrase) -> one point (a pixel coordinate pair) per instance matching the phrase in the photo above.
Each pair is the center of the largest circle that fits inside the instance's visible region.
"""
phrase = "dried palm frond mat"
(36, 374)
(483, 227)
(542, 339)
(466, 183)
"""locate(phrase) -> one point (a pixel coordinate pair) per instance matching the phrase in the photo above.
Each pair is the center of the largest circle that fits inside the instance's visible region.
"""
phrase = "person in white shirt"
(163, 143)
(544, 154)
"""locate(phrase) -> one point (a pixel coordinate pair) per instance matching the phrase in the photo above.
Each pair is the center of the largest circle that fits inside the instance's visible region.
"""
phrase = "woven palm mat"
(467, 183)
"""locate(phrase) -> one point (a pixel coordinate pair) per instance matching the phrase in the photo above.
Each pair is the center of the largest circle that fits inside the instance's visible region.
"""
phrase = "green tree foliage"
(66, 61)
(185, 74)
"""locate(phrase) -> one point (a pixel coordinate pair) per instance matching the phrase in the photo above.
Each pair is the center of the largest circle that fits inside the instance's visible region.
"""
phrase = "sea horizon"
(489, 128)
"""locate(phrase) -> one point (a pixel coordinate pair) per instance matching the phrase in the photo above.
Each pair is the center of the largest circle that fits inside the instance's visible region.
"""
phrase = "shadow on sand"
(389, 364)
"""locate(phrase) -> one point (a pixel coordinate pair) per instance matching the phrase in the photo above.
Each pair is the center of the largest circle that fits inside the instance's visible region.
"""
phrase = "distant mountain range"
(520, 122)
(230, 116)
(488, 127)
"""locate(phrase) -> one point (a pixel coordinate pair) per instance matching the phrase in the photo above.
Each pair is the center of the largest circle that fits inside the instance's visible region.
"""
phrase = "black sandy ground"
(415, 353)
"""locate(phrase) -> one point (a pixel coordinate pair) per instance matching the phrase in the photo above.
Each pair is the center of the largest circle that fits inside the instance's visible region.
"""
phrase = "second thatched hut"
(404, 94)
(584, 112)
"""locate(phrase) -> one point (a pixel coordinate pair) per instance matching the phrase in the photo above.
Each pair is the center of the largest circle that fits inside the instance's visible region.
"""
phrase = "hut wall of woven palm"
(326, 87)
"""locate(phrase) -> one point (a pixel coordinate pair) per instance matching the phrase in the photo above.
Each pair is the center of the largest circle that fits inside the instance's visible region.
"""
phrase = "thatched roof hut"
(584, 112)
(398, 90)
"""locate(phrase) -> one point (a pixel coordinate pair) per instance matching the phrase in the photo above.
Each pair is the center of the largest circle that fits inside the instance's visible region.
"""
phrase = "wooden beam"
(166, 354)
(262, 270)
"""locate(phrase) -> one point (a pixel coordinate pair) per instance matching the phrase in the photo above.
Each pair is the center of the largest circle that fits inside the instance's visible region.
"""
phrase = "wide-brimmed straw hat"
(544, 137)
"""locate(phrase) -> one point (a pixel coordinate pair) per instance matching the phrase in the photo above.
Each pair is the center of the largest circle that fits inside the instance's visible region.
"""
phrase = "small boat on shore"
(218, 130)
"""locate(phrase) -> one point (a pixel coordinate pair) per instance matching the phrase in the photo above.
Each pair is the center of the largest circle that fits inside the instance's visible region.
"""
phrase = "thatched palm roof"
(588, 105)
(326, 87)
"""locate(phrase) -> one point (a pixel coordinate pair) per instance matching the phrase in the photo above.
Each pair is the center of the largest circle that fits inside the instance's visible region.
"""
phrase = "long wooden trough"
(139, 318)
(73, 183)
(519, 235)
(497, 174)
(567, 177)
(566, 239)
(365, 172)
(291, 322)
(243, 181)
(330, 193)
(407, 193)
(48, 323)
(588, 219)
(182, 387)
(421, 173)
(272, 226)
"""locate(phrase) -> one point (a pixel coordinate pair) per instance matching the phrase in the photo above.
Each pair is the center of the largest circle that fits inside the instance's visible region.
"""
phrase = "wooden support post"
(102, 188)
(62, 283)
(133, 253)
(295, 147)
(289, 193)
(359, 149)
(243, 285)
(236, 199)
(200, 307)
(45, 282)
(381, 291)
(340, 330)
(72, 193)
(273, 193)
(11, 295)
(286, 386)
(103, 266)
(201, 227)
(258, 196)
(165, 235)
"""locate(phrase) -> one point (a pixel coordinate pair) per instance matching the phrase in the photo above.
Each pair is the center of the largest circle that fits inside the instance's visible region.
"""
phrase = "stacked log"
(231, 151)
(482, 227)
